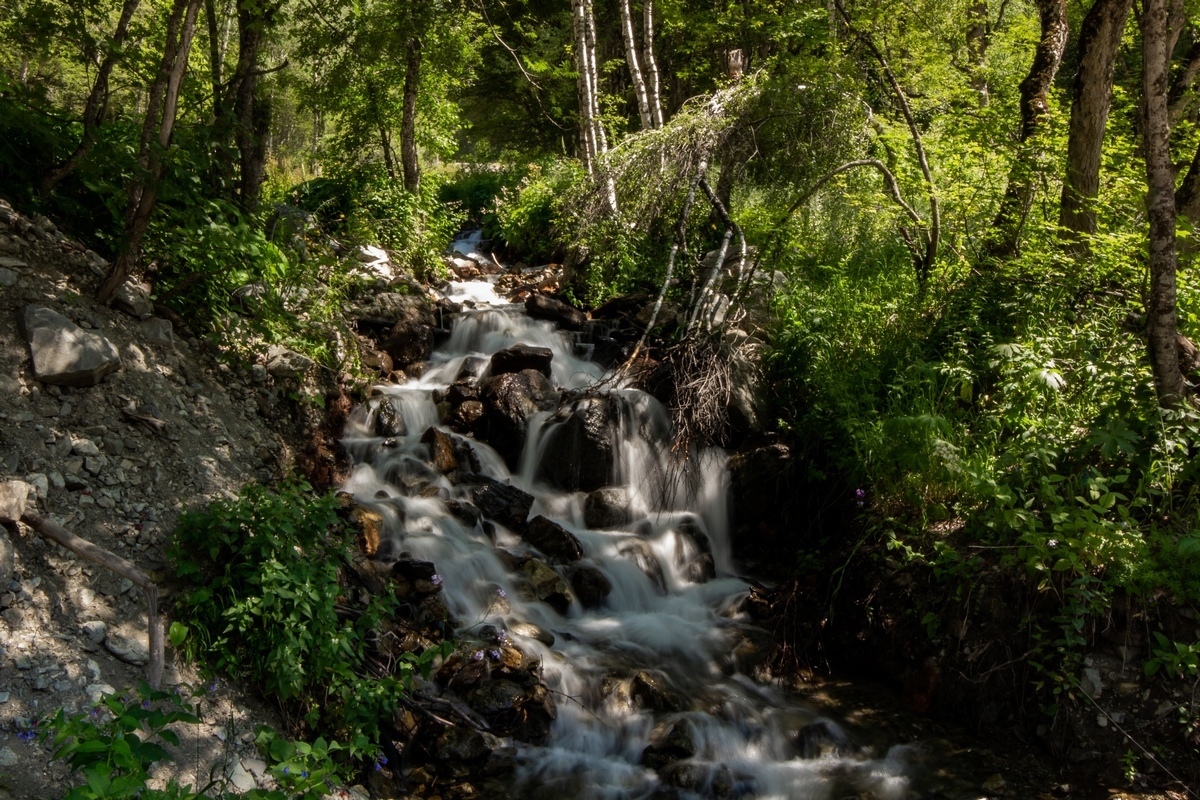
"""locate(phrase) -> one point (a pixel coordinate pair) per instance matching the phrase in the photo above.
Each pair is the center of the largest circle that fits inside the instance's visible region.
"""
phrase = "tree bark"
(978, 39)
(1099, 40)
(97, 103)
(408, 122)
(587, 128)
(1047, 57)
(635, 69)
(654, 96)
(1161, 323)
(160, 118)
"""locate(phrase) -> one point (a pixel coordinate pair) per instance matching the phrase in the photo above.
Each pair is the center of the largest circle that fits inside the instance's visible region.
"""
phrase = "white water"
(745, 733)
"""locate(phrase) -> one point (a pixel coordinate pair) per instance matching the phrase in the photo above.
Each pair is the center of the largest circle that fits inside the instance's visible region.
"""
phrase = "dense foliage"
(886, 180)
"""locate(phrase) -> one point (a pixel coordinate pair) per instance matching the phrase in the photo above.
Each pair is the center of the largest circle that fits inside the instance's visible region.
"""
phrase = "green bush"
(115, 746)
(260, 601)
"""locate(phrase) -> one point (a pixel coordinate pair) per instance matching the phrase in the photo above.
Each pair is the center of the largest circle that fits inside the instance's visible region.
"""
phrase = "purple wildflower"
(502, 636)
(495, 655)
(860, 496)
(26, 736)
(500, 593)
(304, 774)
(287, 770)
(436, 579)
(146, 704)
(478, 656)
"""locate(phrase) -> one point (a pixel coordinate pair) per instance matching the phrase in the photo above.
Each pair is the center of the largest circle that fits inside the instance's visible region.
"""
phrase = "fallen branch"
(114, 563)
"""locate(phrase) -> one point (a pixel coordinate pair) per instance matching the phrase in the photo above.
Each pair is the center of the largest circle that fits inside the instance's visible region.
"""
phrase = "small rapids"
(648, 682)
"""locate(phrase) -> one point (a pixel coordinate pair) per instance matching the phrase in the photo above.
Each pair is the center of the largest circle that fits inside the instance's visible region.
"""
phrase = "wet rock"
(760, 492)
(376, 360)
(388, 421)
(413, 570)
(466, 513)
(667, 745)
(472, 370)
(531, 631)
(510, 400)
(410, 338)
(14, 499)
(590, 585)
(650, 689)
(500, 501)
(553, 539)
(462, 744)
(462, 391)
(496, 697)
(134, 299)
(63, 353)
(441, 450)
(701, 569)
(823, 737)
(707, 780)
(607, 509)
(283, 363)
(521, 357)
(539, 306)
(580, 448)
(548, 586)
(642, 556)
(468, 417)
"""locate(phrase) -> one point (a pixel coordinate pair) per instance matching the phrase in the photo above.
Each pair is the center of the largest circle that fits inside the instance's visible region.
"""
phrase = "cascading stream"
(654, 661)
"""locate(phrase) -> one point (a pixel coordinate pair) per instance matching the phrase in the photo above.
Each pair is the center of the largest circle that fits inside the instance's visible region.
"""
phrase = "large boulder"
(510, 400)
(404, 325)
(540, 306)
(553, 539)
(14, 499)
(520, 357)
(500, 501)
(607, 509)
(441, 450)
(63, 353)
(580, 449)
(388, 421)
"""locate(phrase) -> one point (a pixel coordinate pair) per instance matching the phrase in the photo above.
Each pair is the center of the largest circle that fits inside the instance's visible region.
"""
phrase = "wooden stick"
(110, 561)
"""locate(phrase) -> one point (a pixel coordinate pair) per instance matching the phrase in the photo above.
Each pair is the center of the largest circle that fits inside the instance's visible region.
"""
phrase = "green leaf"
(177, 633)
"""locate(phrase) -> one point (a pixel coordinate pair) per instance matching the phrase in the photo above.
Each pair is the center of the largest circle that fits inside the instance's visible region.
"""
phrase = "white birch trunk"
(654, 97)
(635, 69)
(587, 139)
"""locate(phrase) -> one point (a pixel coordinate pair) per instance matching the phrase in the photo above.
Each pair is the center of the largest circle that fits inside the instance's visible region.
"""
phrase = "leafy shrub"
(260, 599)
(526, 215)
(116, 744)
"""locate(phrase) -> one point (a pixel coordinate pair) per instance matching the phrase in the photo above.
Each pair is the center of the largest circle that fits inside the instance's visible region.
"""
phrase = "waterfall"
(651, 701)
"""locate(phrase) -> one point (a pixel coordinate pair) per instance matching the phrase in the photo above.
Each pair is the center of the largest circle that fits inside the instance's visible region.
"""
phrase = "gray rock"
(95, 629)
(520, 357)
(63, 353)
(284, 363)
(8, 277)
(14, 496)
(1091, 684)
(531, 631)
(158, 331)
(134, 299)
(129, 649)
(96, 691)
(8, 758)
(240, 777)
(9, 262)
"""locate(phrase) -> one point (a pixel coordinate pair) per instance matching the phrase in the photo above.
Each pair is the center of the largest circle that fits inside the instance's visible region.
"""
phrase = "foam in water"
(660, 616)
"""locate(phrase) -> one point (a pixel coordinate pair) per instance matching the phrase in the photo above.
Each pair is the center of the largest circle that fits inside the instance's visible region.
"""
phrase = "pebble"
(4, 697)
(8, 758)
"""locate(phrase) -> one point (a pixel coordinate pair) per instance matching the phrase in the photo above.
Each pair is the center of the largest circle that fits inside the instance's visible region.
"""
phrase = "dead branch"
(114, 563)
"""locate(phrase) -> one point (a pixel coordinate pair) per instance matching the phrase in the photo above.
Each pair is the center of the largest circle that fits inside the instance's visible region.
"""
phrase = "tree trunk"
(653, 94)
(1014, 208)
(215, 57)
(635, 69)
(97, 103)
(1099, 40)
(1161, 324)
(160, 118)
(978, 39)
(408, 122)
(593, 73)
(588, 143)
